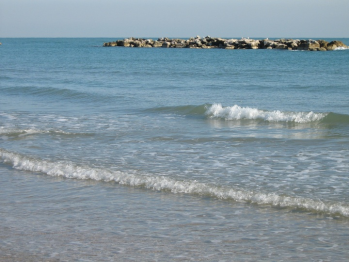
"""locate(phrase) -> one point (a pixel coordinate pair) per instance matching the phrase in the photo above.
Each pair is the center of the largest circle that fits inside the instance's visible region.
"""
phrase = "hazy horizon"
(155, 18)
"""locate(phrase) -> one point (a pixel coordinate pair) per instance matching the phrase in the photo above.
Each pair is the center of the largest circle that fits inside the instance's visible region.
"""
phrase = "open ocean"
(155, 154)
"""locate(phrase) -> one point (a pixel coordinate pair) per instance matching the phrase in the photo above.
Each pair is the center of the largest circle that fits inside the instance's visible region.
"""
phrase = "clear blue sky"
(181, 18)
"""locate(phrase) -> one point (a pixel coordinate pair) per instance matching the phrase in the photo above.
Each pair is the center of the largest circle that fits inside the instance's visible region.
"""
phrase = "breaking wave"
(237, 113)
(162, 183)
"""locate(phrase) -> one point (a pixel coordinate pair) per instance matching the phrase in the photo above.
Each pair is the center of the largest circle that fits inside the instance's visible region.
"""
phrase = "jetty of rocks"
(243, 43)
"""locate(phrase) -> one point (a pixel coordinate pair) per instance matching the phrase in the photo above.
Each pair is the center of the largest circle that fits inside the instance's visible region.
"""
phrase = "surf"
(237, 113)
(162, 183)
(217, 111)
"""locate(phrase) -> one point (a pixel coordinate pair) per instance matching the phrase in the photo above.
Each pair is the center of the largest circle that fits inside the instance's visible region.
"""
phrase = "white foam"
(8, 116)
(5, 131)
(24, 132)
(70, 170)
(341, 48)
(237, 113)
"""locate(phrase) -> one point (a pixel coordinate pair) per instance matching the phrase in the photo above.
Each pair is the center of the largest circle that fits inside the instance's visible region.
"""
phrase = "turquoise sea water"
(158, 154)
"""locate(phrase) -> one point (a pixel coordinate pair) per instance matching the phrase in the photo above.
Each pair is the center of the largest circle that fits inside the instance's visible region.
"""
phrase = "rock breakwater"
(243, 43)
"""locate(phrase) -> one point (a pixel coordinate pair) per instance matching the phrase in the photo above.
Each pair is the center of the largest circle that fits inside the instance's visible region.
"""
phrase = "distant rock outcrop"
(243, 43)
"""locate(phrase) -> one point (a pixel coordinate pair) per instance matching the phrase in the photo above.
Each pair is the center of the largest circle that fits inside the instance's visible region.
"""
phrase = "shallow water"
(72, 220)
(172, 154)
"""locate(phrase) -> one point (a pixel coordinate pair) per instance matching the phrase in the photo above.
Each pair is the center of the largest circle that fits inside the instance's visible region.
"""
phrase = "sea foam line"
(4, 131)
(24, 132)
(341, 48)
(237, 113)
(162, 183)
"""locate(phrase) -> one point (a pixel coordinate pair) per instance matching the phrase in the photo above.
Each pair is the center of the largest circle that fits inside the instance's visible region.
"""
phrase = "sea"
(161, 154)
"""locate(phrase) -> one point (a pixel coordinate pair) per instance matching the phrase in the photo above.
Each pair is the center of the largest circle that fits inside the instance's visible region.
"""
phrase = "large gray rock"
(198, 43)
(331, 47)
(138, 43)
(281, 46)
(232, 41)
(338, 43)
(335, 44)
(268, 44)
(308, 44)
(180, 45)
(323, 43)
(120, 43)
(204, 41)
(157, 44)
(149, 42)
(252, 44)
(166, 44)
(292, 44)
(243, 43)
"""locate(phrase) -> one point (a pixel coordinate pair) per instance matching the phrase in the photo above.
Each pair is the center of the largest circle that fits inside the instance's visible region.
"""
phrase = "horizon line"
(122, 37)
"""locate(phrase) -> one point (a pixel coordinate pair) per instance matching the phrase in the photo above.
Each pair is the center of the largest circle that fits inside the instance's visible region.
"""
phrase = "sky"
(178, 18)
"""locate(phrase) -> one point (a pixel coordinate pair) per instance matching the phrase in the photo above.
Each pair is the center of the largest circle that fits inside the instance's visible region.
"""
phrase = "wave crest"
(238, 113)
(162, 183)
